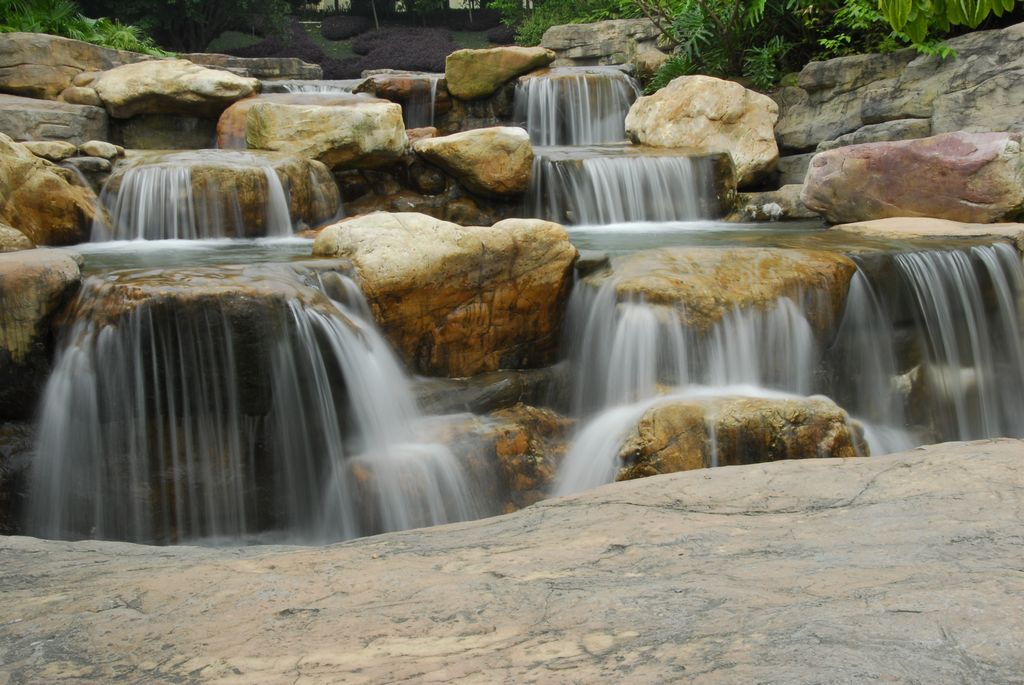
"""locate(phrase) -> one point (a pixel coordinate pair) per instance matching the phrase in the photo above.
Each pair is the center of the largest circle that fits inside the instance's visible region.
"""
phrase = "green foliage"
(918, 19)
(749, 39)
(190, 25)
(531, 23)
(64, 18)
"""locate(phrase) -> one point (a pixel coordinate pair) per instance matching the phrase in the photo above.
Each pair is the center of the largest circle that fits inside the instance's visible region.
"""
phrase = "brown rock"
(76, 95)
(358, 133)
(702, 284)
(170, 86)
(51, 150)
(38, 65)
(98, 148)
(459, 300)
(490, 161)
(39, 200)
(13, 240)
(685, 434)
(706, 114)
(475, 74)
(34, 285)
(968, 177)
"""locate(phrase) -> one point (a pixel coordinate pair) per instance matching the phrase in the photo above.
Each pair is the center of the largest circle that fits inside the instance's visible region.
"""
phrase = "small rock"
(475, 74)
(490, 161)
(88, 165)
(81, 96)
(52, 150)
(98, 148)
(13, 240)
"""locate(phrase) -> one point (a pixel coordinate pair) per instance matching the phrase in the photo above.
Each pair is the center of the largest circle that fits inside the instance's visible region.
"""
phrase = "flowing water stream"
(230, 391)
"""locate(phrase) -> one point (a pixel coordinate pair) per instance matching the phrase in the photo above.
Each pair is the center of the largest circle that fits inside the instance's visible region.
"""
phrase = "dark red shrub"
(502, 35)
(344, 26)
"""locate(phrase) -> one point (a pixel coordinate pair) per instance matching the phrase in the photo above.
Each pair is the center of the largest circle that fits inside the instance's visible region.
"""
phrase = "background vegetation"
(754, 41)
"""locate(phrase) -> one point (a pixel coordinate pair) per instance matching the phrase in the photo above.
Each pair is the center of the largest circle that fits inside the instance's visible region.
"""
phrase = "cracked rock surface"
(905, 568)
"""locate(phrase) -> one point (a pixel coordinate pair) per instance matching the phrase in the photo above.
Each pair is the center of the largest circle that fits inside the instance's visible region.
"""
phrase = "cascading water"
(615, 185)
(940, 357)
(169, 199)
(575, 105)
(968, 382)
(310, 86)
(420, 108)
(195, 418)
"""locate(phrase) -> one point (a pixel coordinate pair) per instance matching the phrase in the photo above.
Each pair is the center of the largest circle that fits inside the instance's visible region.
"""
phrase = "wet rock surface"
(679, 435)
(898, 568)
(34, 286)
(702, 284)
(454, 300)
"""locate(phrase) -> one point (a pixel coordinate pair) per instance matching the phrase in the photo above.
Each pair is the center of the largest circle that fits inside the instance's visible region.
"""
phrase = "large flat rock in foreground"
(904, 569)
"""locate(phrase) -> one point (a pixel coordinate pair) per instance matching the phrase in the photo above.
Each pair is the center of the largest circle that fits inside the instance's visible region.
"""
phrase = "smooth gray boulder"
(615, 41)
(903, 568)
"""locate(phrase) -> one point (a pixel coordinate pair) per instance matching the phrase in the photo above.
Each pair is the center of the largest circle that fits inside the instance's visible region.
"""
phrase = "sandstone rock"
(901, 129)
(258, 67)
(778, 572)
(52, 150)
(490, 161)
(421, 133)
(12, 240)
(424, 97)
(495, 390)
(76, 95)
(88, 165)
(357, 134)
(29, 119)
(702, 284)
(603, 42)
(647, 62)
(38, 199)
(84, 79)
(231, 126)
(684, 434)
(458, 300)
(980, 90)
(41, 66)
(34, 285)
(98, 148)
(909, 228)
(793, 168)
(475, 74)
(706, 114)
(975, 178)
(170, 86)
(772, 205)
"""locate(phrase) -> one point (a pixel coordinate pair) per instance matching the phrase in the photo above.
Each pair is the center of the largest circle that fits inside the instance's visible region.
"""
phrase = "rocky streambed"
(904, 568)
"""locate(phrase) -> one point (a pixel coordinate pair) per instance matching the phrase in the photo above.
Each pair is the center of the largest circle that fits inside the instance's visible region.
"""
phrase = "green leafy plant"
(918, 19)
(64, 18)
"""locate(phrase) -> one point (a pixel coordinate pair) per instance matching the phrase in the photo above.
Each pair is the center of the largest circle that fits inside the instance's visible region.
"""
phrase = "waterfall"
(968, 320)
(590, 186)
(310, 86)
(214, 418)
(575, 105)
(418, 110)
(170, 199)
(624, 350)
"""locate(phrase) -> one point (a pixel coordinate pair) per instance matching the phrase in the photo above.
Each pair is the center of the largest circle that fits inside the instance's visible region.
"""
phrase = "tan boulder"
(912, 228)
(475, 74)
(170, 86)
(706, 114)
(685, 434)
(34, 285)
(968, 177)
(13, 240)
(38, 65)
(703, 284)
(39, 200)
(458, 300)
(350, 133)
(77, 95)
(51, 150)
(99, 148)
(490, 161)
